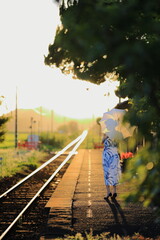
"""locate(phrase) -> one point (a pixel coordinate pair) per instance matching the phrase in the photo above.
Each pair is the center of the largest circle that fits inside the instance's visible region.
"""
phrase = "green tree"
(100, 37)
(69, 128)
(3, 120)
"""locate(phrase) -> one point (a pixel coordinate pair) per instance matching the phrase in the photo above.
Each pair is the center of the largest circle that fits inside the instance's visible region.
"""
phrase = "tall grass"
(105, 236)
(52, 141)
(9, 141)
(13, 161)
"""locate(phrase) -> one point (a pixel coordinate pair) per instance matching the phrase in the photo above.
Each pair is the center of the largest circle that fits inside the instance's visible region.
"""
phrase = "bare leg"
(114, 192)
(114, 189)
(108, 189)
(108, 192)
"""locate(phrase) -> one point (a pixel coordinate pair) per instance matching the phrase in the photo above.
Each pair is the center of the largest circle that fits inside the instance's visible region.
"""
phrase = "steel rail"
(42, 166)
(82, 137)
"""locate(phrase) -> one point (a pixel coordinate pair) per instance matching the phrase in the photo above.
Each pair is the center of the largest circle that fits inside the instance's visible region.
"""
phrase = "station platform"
(78, 205)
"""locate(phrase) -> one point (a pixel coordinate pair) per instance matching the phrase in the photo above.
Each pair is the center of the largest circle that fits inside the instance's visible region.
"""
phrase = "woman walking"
(111, 166)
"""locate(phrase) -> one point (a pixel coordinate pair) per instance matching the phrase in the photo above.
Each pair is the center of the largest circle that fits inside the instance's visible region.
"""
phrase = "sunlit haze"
(27, 28)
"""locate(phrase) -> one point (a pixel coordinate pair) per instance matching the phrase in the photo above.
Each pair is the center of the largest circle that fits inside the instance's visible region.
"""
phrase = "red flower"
(126, 155)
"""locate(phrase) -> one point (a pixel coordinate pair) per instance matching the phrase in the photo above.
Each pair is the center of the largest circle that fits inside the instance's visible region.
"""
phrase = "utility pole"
(16, 123)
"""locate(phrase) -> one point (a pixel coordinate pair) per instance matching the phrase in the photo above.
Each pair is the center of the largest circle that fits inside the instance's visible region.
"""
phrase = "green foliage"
(99, 37)
(103, 236)
(3, 120)
(66, 133)
(15, 161)
(121, 36)
(57, 140)
(69, 128)
(115, 38)
(52, 142)
(143, 173)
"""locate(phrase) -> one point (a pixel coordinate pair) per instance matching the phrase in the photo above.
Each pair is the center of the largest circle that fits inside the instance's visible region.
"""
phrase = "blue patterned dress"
(111, 163)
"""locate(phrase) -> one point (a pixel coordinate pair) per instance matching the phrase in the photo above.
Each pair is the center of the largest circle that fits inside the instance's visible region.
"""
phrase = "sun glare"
(27, 28)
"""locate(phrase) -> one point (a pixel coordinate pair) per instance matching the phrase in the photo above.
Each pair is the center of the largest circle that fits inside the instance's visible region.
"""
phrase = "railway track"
(22, 212)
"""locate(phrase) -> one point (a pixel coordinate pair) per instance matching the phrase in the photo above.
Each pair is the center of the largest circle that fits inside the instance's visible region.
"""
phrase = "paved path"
(78, 203)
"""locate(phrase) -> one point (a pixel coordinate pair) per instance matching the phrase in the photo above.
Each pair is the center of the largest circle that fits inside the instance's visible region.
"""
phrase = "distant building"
(33, 138)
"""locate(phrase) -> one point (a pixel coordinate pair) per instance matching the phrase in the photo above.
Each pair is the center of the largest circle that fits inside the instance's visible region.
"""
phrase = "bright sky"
(27, 27)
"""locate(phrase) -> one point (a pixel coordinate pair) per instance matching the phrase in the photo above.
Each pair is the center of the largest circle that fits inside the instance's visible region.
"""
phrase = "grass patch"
(14, 161)
(104, 236)
(9, 141)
